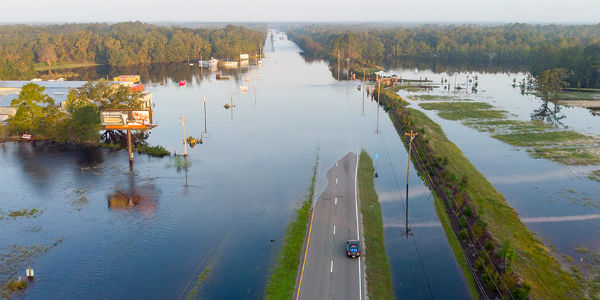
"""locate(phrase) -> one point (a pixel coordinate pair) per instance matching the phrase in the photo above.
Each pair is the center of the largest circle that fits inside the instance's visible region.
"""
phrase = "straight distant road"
(326, 272)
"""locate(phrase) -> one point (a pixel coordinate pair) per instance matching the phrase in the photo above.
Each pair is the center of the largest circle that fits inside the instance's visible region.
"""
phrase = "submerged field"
(541, 140)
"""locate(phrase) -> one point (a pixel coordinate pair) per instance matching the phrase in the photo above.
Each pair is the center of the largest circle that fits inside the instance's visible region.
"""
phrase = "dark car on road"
(352, 248)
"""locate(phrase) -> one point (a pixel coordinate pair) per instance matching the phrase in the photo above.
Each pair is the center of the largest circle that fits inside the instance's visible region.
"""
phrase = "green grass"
(531, 139)
(27, 213)
(507, 126)
(566, 147)
(62, 65)
(428, 97)
(464, 110)
(13, 286)
(595, 175)
(158, 151)
(581, 249)
(568, 155)
(282, 281)
(455, 246)
(193, 294)
(377, 265)
(533, 263)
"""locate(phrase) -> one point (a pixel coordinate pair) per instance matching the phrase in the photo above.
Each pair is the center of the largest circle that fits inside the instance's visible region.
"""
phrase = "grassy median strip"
(282, 282)
(377, 270)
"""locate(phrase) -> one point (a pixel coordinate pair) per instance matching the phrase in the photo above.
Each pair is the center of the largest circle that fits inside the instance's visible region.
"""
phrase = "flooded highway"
(226, 207)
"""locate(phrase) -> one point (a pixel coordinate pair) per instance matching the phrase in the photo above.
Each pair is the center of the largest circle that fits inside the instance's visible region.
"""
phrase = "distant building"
(244, 56)
(210, 64)
(229, 64)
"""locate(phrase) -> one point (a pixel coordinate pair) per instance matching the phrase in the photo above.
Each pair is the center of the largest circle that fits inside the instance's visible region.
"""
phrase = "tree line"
(22, 47)
(575, 48)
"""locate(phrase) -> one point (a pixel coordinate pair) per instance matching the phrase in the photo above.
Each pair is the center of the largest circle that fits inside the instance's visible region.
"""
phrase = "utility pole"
(129, 149)
(411, 136)
(184, 141)
(363, 92)
(338, 64)
(378, 93)
(348, 69)
(204, 101)
(201, 64)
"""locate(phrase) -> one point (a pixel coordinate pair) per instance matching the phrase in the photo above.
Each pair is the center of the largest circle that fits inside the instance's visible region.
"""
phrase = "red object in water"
(182, 83)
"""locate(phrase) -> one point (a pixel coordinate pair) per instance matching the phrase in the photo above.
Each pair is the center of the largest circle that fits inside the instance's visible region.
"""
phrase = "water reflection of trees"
(156, 73)
(455, 66)
(548, 112)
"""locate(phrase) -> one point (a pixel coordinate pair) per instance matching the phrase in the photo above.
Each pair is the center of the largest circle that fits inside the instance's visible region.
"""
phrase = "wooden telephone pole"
(129, 148)
(231, 96)
(378, 93)
(338, 65)
(363, 92)
(184, 141)
(411, 136)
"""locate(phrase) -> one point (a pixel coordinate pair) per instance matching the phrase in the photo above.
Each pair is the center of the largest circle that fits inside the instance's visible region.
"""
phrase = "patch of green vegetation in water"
(595, 175)
(428, 97)
(15, 260)
(581, 249)
(26, 213)
(196, 289)
(542, 140)
(530, 139)
(464, 110)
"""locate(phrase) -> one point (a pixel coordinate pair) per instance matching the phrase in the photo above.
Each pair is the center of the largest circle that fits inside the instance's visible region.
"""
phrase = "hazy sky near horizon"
(533, 11)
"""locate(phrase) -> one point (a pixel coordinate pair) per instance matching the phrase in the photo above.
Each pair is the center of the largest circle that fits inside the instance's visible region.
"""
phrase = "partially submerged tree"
(551, 82)
(105, 95)
(34, 108)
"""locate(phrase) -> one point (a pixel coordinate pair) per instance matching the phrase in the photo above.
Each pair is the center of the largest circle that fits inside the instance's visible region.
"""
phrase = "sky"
(411, 11)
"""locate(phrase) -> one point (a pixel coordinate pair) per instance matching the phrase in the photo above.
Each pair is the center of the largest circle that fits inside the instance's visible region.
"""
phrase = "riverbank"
(377, 267)
(487, 208)
(281, 283)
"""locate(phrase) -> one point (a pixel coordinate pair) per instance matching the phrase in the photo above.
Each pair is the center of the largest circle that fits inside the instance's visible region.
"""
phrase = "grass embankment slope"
(377, 270)
(283, 279)
(533, 261)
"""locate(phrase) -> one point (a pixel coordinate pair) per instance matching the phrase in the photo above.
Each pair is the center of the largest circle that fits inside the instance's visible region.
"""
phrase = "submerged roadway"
(325, 270)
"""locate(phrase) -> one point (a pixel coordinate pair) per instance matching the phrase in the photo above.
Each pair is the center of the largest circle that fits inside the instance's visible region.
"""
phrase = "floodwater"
(557, 202)
(228, 209)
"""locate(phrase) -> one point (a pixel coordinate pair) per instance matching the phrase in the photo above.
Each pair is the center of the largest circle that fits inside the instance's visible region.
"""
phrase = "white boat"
(36, 79)
(244, 89)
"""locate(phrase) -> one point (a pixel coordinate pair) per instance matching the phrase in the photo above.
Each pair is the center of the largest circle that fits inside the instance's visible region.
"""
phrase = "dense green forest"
(540, 47)
(22, 47)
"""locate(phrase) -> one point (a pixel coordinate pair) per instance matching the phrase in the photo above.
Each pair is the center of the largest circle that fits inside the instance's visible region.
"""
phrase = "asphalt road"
(326, 272)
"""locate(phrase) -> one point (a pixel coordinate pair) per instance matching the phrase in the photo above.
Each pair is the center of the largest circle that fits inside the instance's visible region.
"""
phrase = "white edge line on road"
(357, 228)
(336, 180)
(333, 229)
(335, 200)
(331, 271)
